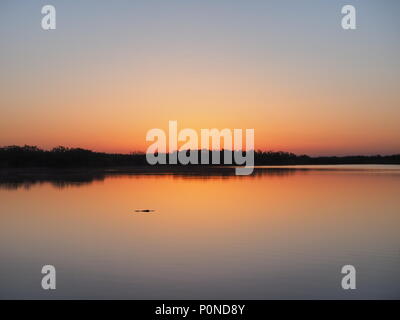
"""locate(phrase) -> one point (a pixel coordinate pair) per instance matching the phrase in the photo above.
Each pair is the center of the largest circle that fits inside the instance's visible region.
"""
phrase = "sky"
(112, 70)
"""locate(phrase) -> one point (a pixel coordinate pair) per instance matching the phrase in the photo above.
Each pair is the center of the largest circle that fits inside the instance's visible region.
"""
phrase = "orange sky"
(309, 90)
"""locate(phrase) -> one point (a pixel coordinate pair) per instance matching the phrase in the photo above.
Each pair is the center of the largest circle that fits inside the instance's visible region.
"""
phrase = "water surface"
(282, 233)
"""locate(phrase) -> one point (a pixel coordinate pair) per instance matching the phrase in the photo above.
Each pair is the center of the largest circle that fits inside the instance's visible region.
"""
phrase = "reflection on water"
(25, 178)
(281, 233)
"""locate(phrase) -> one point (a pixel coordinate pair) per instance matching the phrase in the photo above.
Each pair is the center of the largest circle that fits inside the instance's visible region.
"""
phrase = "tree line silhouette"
(60, 157)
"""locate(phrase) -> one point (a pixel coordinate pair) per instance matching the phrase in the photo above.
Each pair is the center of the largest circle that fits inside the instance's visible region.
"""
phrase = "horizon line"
(53, 149)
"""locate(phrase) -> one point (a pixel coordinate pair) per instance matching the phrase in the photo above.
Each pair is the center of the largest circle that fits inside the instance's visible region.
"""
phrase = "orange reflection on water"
(212, 230)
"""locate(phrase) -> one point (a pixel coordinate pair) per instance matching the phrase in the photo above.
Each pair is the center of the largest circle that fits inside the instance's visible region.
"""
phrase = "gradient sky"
(114, 69)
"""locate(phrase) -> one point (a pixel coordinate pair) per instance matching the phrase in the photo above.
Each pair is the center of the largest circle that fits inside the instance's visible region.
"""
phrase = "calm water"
(279, 234)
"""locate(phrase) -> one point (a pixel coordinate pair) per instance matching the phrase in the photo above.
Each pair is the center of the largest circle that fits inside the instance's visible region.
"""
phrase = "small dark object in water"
(145, 210)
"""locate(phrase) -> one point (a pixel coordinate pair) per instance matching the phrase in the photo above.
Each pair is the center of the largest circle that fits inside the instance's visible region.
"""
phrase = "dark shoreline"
(63, 158)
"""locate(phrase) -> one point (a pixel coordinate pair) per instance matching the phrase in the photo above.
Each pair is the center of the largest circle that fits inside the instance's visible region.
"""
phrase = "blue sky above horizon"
(113, 70)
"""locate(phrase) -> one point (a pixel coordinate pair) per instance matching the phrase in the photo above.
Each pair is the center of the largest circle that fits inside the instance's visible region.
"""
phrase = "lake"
(281, 233)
